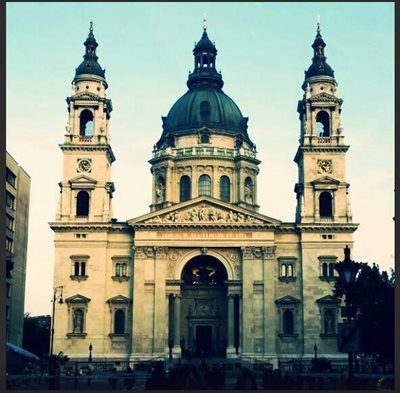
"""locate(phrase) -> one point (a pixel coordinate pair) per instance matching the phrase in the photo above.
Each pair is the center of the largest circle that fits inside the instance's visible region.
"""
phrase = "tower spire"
(90, 64)
(319, 65)
(205, 22)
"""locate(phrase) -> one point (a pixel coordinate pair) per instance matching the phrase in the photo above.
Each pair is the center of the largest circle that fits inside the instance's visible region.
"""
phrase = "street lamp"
(90, 352)
(55, 297)
(348, 270)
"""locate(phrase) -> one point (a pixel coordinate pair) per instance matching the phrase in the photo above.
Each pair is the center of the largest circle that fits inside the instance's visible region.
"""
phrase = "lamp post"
(348, 270)
(90, 352)
(55, 297)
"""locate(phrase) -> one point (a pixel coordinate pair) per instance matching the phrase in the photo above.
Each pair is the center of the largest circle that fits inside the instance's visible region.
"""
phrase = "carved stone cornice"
(334, 227)
(61, 226)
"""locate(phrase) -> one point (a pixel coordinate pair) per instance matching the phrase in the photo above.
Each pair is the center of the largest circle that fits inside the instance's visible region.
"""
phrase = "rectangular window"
(10, 200)
(9, 244)
(79, 268)
(10, 177)
(8, 289)
(10, 222)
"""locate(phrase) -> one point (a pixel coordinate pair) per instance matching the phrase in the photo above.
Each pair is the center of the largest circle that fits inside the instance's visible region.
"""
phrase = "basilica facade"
(204, 272)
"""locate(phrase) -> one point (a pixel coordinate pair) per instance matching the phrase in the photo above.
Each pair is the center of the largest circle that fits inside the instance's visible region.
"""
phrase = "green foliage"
(36, 337)
(372, 296)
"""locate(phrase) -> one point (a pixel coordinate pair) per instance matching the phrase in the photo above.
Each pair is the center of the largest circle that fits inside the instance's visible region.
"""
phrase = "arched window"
(123, 270)
(225, 189)
(324, 270)
(82, 203)
(322, 122)
(86, 123)
(283, 270)
(205, 185)
(119, 322)
(329, 322)
(287, 322)
(185, 188)
(325, 204)
(331, 270)
(290, 270)
(118, 269)
(248, 190)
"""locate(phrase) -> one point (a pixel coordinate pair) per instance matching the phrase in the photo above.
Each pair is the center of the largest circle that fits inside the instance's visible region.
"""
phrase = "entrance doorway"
(204, 340)
(204, 308)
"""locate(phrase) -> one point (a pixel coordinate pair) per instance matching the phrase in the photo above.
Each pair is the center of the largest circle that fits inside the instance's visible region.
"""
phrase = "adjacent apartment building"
(18, 184)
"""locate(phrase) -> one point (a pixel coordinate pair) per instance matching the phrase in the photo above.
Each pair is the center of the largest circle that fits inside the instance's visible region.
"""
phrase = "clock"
(84, 165)
(324, 166)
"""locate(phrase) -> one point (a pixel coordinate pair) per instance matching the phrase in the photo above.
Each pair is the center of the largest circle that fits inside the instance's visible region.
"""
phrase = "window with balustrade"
(323, 124)
(86, 123)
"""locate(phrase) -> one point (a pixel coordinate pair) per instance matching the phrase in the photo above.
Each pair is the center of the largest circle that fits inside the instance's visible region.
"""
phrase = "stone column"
(270, 317)
(247, 310)
(138, 304)
(176, 349)
(230, 350)
(159, 296)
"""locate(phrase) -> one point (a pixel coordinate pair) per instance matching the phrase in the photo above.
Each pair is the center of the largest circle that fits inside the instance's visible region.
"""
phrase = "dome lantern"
(90, 65)
(204, 72)
(319, 66)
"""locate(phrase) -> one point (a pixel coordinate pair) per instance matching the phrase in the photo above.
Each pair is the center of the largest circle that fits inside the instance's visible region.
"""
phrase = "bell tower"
(86, 190)
(322, 190)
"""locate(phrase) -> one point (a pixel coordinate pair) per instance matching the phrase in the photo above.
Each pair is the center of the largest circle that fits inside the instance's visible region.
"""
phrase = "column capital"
(161, 252)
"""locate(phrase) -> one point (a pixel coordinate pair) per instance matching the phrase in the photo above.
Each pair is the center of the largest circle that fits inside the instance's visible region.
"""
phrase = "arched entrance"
(204, 308)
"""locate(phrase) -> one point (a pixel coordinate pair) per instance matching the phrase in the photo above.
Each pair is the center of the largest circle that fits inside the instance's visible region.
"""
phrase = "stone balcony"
(204, 152)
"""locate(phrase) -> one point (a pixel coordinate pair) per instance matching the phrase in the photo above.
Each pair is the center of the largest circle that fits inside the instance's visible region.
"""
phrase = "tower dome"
(319, 66)
(204, 104)
(89, 65)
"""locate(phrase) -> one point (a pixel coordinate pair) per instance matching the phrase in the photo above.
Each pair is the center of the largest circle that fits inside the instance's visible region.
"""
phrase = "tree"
(36, 337)
(372, 297)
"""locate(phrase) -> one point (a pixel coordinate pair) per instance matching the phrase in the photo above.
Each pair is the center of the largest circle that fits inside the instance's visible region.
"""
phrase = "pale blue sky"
(146, 49)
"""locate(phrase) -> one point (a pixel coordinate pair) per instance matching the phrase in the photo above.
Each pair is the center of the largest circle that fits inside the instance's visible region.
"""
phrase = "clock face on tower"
(324, 166)
(84, 165)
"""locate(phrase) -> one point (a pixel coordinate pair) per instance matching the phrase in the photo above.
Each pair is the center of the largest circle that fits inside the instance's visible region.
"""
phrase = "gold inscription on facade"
(205, 235)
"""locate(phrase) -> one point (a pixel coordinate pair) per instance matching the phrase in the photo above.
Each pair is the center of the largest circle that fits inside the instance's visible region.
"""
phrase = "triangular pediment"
(86, 96)
(119, 299)
(328, 299)
(287, 300)
(325, 97)
(325, 180)
(78, 299)
(82, 179)
(204, 211)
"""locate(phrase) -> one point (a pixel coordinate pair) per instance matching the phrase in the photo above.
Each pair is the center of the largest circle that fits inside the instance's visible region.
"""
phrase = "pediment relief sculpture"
(204, 214)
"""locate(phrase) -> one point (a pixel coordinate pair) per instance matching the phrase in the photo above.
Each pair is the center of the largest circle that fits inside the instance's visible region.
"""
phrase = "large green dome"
(205, 107)
(204, 104)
